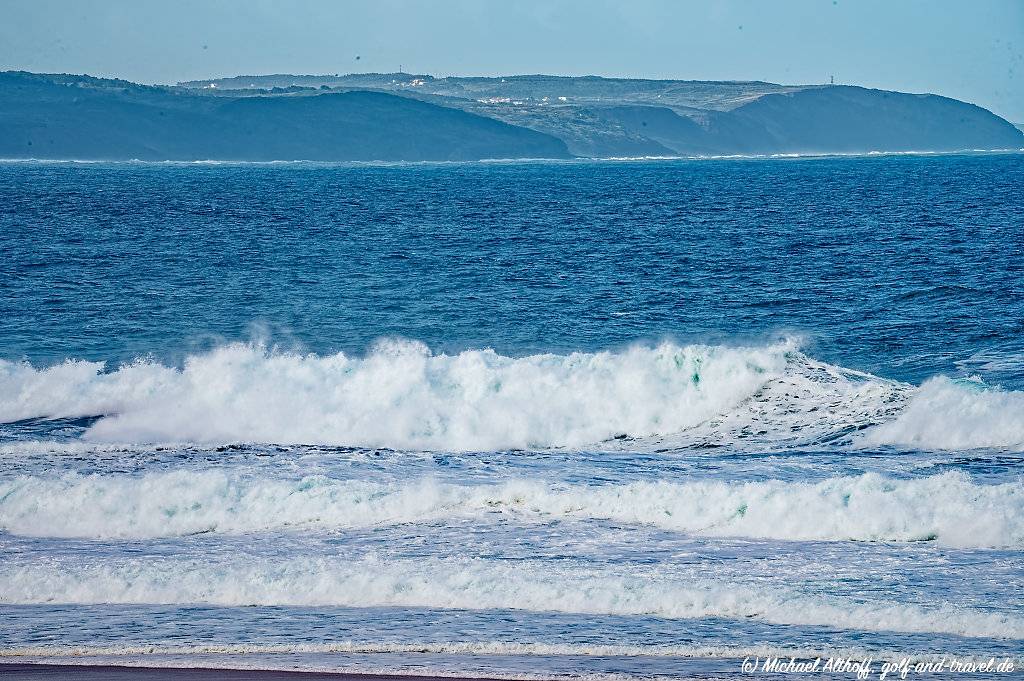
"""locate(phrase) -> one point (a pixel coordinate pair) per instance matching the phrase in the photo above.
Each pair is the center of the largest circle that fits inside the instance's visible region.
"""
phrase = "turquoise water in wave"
(638, 418)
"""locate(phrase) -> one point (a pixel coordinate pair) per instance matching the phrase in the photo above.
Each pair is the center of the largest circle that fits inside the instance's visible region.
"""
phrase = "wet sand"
(124, 673)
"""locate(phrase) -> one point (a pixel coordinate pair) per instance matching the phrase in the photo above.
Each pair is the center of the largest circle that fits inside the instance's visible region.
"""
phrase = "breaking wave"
(400, 395)
(948, 414)
(472, 584)
(949, 509)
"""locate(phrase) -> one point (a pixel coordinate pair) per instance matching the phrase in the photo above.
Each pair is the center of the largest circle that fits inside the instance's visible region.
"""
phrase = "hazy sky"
(971, 50)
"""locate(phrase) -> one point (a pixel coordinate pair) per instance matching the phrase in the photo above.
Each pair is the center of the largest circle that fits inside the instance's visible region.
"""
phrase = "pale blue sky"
(971, 50)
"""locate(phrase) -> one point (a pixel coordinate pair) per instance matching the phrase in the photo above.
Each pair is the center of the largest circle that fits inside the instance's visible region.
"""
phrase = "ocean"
(513, 419)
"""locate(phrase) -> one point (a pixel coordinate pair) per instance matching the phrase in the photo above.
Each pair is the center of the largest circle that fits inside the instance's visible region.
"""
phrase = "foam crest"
(810, 404)
(949, 509)
(402, 396)
(472, 584)
(948, 414)
(399, 395)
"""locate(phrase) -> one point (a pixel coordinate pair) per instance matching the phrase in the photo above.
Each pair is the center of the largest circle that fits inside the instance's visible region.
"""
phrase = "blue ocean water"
(524, 419)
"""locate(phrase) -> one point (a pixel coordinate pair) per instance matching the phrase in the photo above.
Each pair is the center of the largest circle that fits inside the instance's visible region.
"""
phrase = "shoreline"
(523, 160)
(114, 672)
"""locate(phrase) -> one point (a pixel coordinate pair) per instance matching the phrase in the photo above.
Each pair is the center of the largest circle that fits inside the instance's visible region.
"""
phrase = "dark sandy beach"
(117, 673)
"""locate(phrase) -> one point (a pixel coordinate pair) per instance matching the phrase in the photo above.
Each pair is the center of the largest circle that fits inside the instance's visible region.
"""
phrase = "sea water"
(513, 419)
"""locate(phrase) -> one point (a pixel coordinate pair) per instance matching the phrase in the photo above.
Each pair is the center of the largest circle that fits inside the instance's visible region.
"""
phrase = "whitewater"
(331, 462)
(947, 508)
(512, 420)
(401, 395)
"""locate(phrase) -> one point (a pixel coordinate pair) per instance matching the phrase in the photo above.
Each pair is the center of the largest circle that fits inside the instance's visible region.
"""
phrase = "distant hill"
(823, 120)
(85, 118)
(422, 118)
(538, 89)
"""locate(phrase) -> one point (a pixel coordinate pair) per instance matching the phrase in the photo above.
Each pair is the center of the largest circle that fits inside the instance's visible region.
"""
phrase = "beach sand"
(119, 673)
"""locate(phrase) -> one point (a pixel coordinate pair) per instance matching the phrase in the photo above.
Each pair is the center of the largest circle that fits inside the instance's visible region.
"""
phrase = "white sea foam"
(810, 404)
(402, 396)
(472, 584)
(399, 395)
(947, 414)
(949, 509)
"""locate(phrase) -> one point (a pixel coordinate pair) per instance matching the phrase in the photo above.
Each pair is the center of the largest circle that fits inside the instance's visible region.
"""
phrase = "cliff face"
(400, 117)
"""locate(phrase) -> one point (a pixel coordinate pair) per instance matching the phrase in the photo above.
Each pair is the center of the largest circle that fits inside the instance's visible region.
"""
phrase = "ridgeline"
(404, 117)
